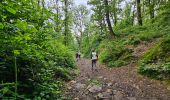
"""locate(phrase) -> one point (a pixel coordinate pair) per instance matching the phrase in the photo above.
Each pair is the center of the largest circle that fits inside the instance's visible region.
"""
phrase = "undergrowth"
(156, 62)
(115, 53)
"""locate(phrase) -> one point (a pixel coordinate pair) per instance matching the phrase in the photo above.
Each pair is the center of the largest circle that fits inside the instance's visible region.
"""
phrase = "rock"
(131, 98)
(69, 87)
(107, 94)
(100, 77)
(109, 91)
(79, 86)
(114, 92)
(100, 96)
(87, 92)
(109, 84)
(168, 87)
(131, 80)
(89, 86)
(89, 79)
(95, 89)
(73, 82)
(136, 86)
(105, 78)
(118, 95)
(76, 99)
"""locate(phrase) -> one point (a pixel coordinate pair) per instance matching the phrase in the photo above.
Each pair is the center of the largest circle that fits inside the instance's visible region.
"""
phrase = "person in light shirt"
(94, 58)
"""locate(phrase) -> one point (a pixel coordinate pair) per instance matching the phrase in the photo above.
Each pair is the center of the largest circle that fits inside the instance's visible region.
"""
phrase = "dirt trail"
(123, 83)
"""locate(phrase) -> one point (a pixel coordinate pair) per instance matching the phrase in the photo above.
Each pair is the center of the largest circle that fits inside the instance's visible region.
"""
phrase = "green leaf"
(27, 37)
(16, 52)
(11, 10)
(22, 25)
(1, 26)
(32, 29)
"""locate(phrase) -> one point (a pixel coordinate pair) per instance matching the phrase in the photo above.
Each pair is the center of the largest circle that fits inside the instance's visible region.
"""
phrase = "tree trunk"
(66, 22)
(139, 16)
(115, 18)
(108, 19)
(151, 9)
(38, 3)
(57, 20)
(133, 14)
(115, 13)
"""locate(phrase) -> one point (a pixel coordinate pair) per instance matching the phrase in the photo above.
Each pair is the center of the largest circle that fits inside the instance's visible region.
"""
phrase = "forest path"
(123, 83)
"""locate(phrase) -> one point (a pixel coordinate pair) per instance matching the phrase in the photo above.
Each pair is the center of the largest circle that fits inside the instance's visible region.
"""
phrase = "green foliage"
(163, 17)
(29, 43)
(155, 62)
(115, 53)
(91, 40)
(154, 28)
(144, 33)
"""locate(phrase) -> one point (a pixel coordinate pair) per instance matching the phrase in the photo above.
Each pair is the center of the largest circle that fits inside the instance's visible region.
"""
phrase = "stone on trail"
(105, 78)
(69, 87)
(100, 77)
(99, 96)
(168, 87)
(131, 98)
(109, 84)
(89, 79)
(79, 86)
(107, 95)
(135, 86)
(76, 99)
(95, 89)
(73, 82)
(118, 95)
(109, 91)
(89, 86)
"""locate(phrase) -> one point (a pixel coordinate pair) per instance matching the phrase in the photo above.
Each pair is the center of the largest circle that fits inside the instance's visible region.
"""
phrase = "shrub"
(115, 53)
(155, 62)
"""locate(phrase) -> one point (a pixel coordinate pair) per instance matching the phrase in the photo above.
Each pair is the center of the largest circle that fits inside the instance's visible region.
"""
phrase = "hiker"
(94, 58)
(78, 55)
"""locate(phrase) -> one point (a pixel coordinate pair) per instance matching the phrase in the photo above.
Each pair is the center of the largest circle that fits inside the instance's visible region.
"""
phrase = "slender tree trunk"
(139, 15)
(143, 9)
(57, 21)
(143, 6)
(43, 3)
(108, 19)
(66, 22)
(133, 14)
(115, 13)
(151, 8)
(115, 19)
(38, 3)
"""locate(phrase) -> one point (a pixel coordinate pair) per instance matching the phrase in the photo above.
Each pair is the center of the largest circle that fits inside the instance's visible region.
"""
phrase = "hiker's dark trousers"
(94, 62)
